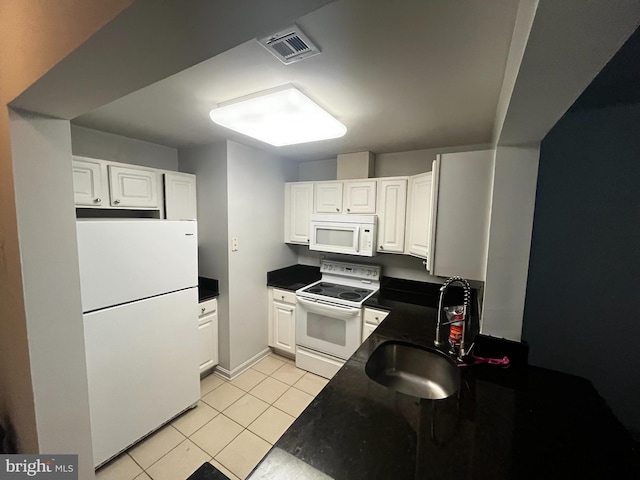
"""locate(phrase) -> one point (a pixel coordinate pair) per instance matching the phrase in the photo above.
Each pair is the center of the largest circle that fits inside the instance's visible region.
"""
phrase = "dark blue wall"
(582, 310)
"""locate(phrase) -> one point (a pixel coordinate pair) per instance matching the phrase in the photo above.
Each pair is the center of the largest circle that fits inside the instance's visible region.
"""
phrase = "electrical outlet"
(234, 244)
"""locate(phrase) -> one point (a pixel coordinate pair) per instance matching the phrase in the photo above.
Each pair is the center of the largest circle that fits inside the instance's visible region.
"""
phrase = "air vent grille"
(289, 45)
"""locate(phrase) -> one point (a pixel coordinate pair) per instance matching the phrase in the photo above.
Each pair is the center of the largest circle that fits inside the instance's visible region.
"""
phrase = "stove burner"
(326, 285)
(350, 296)
(361, 290)
(315, 290)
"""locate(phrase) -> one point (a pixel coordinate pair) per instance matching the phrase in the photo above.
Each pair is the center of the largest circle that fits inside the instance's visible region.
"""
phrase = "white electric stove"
(329, 315)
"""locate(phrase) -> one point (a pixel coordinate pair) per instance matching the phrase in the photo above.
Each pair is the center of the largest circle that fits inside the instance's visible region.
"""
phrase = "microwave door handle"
(357, 240)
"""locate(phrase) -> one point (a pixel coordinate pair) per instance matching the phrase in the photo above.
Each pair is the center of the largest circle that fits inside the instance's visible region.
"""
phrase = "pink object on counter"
(504, 361)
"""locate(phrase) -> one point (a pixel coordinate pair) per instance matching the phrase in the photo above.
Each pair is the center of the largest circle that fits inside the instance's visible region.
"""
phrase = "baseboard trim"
(231, 374)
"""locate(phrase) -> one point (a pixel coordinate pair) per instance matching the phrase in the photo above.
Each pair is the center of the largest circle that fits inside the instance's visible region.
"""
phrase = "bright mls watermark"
(51, 467)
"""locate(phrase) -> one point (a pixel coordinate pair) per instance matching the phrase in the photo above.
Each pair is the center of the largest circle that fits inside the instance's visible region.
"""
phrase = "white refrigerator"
(140, 302)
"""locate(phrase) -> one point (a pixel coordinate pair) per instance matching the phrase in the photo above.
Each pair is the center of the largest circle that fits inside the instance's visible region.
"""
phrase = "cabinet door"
(367, 329)
(284, 324)
(328, 197)
(360, 196)
(180, 196)
(208, 335)
(133, 187)
(298, 209)
(207, 330)
(89, 183)
(419, 215)
(392, 206)
(373, 316)
(461, 228)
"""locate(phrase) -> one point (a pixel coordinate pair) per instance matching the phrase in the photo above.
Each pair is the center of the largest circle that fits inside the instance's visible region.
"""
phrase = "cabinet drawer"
(374, 317)
(208, 306)
(284, 296)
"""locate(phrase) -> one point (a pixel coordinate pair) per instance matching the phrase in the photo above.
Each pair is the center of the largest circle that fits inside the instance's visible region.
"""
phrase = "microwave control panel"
(366, 240)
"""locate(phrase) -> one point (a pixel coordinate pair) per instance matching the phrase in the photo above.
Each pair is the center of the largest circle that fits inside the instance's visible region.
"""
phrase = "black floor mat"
(207, 472)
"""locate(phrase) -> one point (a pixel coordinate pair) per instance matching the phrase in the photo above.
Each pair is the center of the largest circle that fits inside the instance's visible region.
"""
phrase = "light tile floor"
(233, 426)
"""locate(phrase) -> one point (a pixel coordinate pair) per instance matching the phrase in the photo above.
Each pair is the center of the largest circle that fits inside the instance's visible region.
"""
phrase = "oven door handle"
(329, 309)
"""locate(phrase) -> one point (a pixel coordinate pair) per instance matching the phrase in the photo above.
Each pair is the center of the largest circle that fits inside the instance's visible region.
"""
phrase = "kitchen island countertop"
(515, 423)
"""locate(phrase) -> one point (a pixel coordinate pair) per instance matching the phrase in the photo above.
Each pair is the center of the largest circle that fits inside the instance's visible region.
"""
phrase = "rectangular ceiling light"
(282, 117)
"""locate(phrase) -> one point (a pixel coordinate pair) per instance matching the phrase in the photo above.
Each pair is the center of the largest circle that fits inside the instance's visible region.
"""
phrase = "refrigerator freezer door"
(126, 260)
(142, 368)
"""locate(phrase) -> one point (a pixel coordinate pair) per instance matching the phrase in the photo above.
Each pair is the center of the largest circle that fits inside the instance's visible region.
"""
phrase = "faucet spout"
(466, 313)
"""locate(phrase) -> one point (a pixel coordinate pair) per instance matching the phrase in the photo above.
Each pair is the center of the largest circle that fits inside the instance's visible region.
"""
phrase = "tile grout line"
(181, 441)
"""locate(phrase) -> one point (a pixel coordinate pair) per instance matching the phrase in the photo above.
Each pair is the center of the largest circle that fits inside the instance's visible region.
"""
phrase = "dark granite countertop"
(208, 288)
(515, 423)
(293, 277)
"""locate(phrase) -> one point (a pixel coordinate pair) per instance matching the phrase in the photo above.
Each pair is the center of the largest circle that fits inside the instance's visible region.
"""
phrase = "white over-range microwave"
(344, 233)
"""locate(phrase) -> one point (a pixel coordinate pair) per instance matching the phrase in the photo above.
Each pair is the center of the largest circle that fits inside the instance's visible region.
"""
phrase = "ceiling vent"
(289, 45)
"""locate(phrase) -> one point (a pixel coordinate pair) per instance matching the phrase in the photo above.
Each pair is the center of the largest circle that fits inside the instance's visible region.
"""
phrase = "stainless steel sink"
(413, 370)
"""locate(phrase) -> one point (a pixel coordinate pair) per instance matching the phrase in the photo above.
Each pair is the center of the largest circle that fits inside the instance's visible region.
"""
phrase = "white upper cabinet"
(418, 232)
(392, 205)
(133, 187)
(462, 185)
(180, 196)
(298, 206)
(328, 197)
(359, 196)
(351, 196)
(90, 186)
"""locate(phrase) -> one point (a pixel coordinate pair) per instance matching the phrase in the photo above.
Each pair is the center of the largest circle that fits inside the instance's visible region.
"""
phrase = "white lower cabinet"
(370, 321)
(208, 334)
(282, 321)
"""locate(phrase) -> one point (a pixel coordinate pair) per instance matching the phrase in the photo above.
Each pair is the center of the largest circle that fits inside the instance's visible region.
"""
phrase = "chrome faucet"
(466, 311)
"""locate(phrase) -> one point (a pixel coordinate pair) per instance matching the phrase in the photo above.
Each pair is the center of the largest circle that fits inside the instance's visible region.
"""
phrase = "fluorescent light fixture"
(282, 117)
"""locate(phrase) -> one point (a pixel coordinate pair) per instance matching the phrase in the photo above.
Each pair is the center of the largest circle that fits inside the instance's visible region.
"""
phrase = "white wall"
(107, 146)
(511, 224)
(256, 218)
(240, 194)
(414, 161)
(404, 163)
(520, 37)
(209, 164)
(41, 151)
(318, 170)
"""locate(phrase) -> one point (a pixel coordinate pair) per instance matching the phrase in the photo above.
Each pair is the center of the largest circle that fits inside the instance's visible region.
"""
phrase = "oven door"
(328, 328)
(335, 238)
